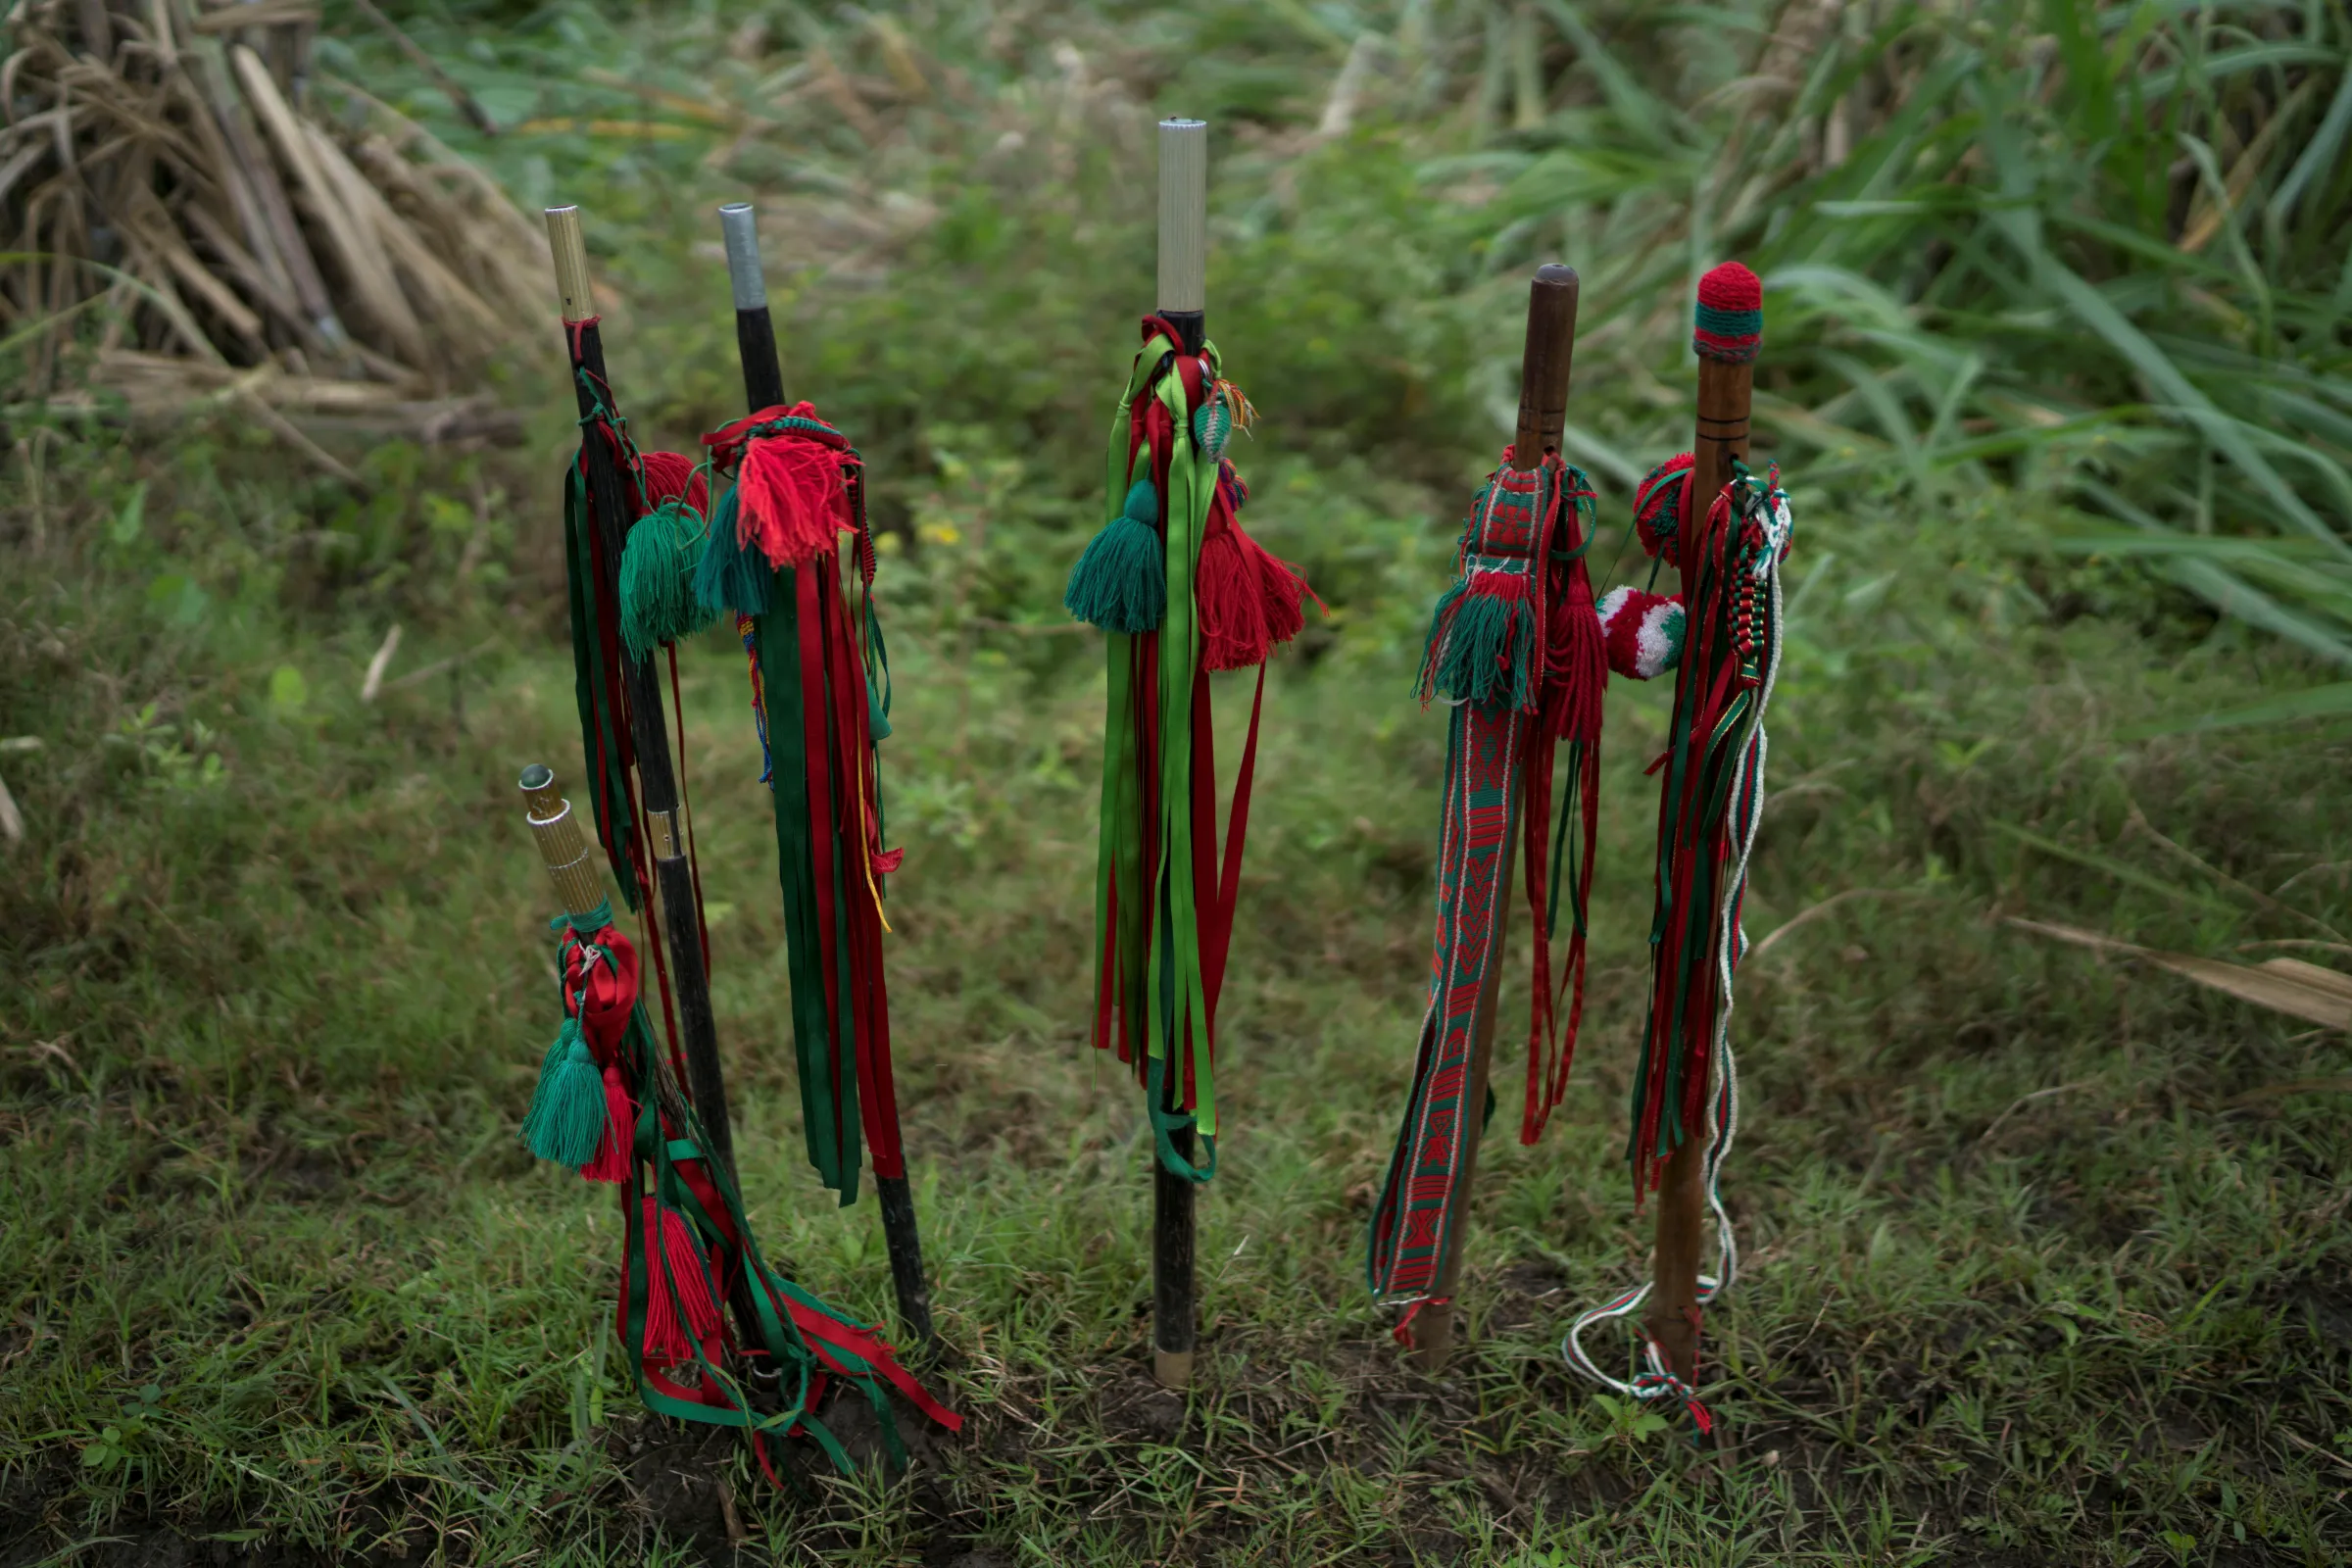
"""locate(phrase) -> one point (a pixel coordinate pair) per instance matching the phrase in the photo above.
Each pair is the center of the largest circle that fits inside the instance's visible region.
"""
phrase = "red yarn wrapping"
(790, 498)
(612, 1161)
(1668, 482)
(1731, 287)
(674, 476)
(680, 1257)
(1509, 586)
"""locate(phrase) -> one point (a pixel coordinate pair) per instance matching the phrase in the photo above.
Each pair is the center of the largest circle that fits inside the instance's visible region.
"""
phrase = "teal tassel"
(1121, 583)
(1484, 656)
(731, 576)
(566, 1120)
(658, 566)
(1433, 647)
(877, 722)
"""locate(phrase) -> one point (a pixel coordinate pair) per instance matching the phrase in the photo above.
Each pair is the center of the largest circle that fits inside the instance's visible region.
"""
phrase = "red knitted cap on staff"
(1729, 322)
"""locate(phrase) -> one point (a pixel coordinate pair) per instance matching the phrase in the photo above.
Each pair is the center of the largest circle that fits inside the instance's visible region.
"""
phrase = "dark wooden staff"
(764, 388)
(657, 779)
(1543, 366)
(1183, 303)
(1672, 1317)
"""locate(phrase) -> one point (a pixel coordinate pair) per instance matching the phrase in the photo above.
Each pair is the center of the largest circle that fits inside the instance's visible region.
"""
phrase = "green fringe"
(1484, 656)
(731, 576)
(1121, 583)
(1425, 685)
(658, 566)
(566, 1120)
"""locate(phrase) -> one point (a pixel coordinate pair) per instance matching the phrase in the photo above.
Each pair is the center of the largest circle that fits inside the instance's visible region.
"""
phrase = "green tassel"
(877, 722)
(1433, 647)
(566, 1120)
(658, 566)
(1485, 650)
(731, 576)
(1121, 583)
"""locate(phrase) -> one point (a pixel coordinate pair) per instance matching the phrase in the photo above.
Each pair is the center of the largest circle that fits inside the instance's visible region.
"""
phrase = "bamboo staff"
(1672, 1317)
(1182, 300)
(764, 388)
(1544, 371)
(657, 780)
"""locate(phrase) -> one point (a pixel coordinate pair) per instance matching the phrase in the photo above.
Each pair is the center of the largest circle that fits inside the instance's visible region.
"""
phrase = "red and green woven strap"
(1514, 647)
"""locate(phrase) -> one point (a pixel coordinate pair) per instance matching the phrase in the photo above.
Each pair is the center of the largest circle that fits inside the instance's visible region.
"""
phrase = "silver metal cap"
(1183, 215)
(741, 227)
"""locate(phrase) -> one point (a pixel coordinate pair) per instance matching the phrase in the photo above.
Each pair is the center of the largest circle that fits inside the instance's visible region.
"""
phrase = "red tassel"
(611, 1162)
(674, 476)
(677, 1261)
(1285, 587)
(790, 498)
(1231, 598)
(1576, 663)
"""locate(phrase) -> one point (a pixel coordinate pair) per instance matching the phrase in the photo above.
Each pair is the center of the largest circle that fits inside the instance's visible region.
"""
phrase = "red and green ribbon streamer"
(820, 680)
(1182, 591)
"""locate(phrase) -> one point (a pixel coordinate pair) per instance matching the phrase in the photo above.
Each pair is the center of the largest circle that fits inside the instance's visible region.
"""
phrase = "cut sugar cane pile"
(167, 167)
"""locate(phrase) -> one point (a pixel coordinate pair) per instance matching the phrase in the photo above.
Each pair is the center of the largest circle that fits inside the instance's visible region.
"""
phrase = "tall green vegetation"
(2098, 256)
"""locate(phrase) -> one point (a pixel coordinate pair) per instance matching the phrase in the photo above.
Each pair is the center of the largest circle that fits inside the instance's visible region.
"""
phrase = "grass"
(2046, 1254)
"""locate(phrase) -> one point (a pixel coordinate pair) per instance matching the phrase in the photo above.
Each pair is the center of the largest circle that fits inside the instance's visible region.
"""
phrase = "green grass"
(2046, 1255)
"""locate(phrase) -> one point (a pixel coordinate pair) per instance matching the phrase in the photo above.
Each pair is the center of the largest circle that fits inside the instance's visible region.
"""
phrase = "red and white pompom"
(1641, 632)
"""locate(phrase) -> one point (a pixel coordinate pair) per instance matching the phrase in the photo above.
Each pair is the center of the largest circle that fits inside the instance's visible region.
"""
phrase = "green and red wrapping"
(1712, 794)
(1709, 803)
(616, 615)
(1182, 591)
(820, 685)
(1515, 650)
(609, 1107)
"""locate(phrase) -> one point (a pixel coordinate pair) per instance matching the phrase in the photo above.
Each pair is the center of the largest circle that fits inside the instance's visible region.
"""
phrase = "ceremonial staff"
(1726, 387)
(1183, 591)
(1515, 650)
(611, 510)
(1545, 362)
(1726, 530)
(1183, 300)
(763, 392)
(608, 1108)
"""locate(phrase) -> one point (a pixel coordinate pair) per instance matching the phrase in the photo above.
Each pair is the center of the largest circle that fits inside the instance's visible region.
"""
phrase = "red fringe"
(1576, 674)
(612, 1161)
(1576, 665)
(790, 498)
(679, 1257)
(1248, 598)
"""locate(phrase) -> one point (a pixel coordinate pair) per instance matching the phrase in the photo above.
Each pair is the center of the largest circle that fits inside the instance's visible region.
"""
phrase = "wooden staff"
(1543, 366)
(1672, 1317)
(656, 781)
(764, 388)
(1182, 301)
